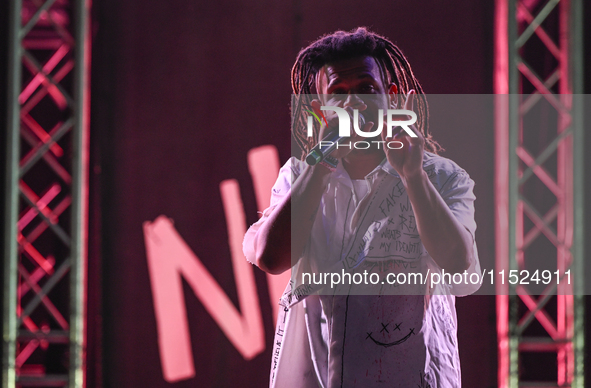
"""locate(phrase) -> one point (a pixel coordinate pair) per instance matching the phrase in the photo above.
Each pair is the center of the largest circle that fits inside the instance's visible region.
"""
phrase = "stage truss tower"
(46, 194)
(539, 191)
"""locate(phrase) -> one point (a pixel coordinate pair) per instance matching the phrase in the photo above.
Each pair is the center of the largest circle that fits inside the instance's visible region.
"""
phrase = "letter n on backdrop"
(169, 257)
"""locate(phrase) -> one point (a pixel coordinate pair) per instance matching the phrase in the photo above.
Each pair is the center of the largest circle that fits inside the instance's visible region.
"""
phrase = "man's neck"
(359, 163)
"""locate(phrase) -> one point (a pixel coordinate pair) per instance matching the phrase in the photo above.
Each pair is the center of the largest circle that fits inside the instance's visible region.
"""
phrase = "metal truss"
(46, 194)
(539, 193)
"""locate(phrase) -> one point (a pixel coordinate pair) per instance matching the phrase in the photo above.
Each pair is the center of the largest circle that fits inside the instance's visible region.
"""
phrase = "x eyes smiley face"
(387, 331)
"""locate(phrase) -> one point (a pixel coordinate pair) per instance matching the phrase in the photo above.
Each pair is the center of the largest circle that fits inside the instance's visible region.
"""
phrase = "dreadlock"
(342, 45)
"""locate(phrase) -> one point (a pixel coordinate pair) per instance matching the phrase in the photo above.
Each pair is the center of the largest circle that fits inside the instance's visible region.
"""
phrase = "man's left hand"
(407, 161)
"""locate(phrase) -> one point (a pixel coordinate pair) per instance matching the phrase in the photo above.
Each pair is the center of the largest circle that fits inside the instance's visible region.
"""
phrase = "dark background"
(162, 139)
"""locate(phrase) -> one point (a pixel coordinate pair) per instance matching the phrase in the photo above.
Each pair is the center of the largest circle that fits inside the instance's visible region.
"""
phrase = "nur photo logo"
(394, 118)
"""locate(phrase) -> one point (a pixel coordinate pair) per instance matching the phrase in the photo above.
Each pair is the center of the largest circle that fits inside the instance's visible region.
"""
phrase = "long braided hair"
(342, 45)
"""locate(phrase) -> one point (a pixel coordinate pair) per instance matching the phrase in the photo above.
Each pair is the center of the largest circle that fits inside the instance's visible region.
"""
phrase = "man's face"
(357, 83)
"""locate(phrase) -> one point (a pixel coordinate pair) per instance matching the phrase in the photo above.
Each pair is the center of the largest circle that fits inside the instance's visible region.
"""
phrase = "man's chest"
(379, 229)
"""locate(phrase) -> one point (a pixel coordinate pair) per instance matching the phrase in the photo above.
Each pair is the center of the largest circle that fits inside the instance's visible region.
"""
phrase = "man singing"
(371, 209)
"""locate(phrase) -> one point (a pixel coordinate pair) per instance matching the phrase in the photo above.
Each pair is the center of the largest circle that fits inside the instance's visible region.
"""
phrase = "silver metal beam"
(517, 22)
(45, 224)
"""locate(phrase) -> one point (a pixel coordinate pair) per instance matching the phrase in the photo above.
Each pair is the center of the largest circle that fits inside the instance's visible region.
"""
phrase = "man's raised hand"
(408, 160)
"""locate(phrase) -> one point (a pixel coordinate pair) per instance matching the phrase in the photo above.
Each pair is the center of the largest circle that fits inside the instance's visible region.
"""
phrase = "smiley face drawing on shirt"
(386, 331)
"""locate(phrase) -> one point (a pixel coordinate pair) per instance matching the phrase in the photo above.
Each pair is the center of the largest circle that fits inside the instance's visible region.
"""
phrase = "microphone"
(318, 153)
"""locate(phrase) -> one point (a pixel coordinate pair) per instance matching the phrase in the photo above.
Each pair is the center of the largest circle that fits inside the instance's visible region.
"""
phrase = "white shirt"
(342, 339)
